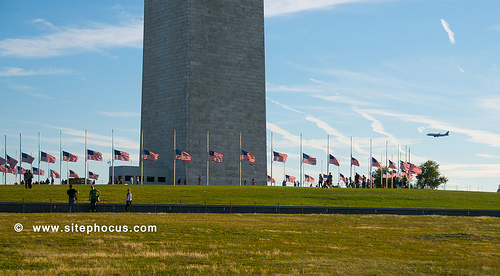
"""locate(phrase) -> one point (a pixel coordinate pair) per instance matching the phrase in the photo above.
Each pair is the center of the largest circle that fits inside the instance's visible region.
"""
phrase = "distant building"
(204, 71)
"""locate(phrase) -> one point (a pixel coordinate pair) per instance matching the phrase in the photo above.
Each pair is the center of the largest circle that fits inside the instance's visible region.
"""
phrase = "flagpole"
(112, 156)
(386, 167)
(272, 158)
(208, 153)
(409, 161)
(240, 157)
(300, 160)
(175, 153)
(20, 159)
(5, 157)
(350, 167)
(86, 153)
(39, 156)
(370, 164)
(60, 157)
(142, 154)
(327, 153)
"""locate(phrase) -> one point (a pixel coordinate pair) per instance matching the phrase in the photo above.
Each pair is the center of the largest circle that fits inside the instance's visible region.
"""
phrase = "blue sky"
(390, 71)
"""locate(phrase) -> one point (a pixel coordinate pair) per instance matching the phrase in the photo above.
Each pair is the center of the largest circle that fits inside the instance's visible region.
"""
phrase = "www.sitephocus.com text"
(89, 228)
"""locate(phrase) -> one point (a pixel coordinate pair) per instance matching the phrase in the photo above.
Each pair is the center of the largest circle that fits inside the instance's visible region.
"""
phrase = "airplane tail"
(447, 133)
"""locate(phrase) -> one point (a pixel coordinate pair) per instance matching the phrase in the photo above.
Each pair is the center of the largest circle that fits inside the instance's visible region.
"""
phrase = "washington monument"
(204, 77)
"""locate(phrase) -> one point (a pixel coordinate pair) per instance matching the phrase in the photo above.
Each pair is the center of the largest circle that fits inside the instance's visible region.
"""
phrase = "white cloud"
(446, 27)
(421, 129)
(460, 69)
(20, 72)
(476, 136)
(487, 155)
(283, 7)
(66, 41)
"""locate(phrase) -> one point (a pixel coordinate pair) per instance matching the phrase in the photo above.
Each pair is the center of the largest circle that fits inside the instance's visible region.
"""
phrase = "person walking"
(72, 197)
(128, 199)
(93, 197)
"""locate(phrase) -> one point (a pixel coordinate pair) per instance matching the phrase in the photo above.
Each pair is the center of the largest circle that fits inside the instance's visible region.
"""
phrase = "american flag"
(342, 177)
(3, 168)
(392, 165)
(37, 171)
(182, 155)
(403, 172)
(2, 161)
(354, 162)
(121, 155)
(334, 161)
(308, 159)
(11, 170)
(149, 155)
(245, 155)
(290, 178)
(415, 169)
(405, 166)
(45, 157)
(280, 157)
(269, 179)
(214, 156)
(69, 157)
(20, 170)
(93, 175)
(54, 174)
(11, 161)
(325, 177)
(94, 155)
(375, 163)
(27, 158)
(309, 178)
(73, 174)
(386, 175)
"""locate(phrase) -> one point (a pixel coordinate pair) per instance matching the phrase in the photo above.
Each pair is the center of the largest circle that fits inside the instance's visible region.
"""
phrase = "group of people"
(94, 197)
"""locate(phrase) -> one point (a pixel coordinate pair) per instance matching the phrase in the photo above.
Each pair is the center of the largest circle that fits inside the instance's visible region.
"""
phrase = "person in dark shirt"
(72, 197)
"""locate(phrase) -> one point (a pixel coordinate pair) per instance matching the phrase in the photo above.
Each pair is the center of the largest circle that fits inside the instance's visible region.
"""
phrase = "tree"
(430, 176)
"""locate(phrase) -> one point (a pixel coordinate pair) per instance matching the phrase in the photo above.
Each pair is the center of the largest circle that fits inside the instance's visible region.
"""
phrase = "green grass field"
(284, 196)
(252, 244)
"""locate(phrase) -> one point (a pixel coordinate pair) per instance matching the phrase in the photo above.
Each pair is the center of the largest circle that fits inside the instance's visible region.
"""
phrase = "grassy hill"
(284, 196)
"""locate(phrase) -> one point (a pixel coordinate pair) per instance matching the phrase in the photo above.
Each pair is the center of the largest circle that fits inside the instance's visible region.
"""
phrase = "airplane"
(438, 134)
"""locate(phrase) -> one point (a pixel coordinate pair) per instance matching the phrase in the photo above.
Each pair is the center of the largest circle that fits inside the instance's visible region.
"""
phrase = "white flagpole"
(20, 158)
(300, 161)
(60, 158)
(386, 166)
(272, 158)
(142, 156)
(350, 167)
(86, 153)
(175, 134)
(112, 156)
(208, 152)
(5, 157)
(327, 153)
(39, 157)
(370, 164)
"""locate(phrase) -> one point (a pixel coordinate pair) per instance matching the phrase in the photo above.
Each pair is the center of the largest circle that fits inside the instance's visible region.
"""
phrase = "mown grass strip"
(284, 196)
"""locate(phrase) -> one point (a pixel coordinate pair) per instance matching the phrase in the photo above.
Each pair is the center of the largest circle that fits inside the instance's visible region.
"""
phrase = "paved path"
(19, 207)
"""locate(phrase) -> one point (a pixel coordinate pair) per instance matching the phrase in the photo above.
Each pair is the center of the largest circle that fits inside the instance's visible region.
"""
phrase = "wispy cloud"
(20, 72)
(283, 7)
(446, 27)
(476, 136)
(66, 41)
(460, 69)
